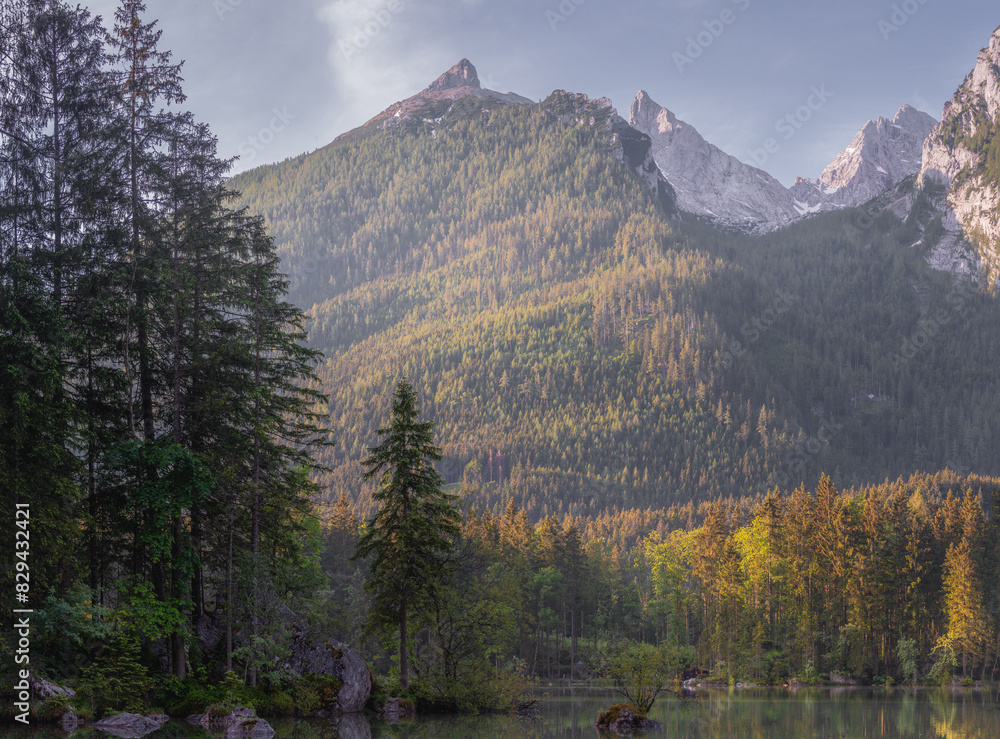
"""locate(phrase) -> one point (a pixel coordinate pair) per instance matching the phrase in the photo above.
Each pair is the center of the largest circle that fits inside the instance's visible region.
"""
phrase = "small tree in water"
(640, 673)
(414, 530)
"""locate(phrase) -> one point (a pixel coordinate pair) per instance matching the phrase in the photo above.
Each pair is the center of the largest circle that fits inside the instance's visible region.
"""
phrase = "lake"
(843, 713)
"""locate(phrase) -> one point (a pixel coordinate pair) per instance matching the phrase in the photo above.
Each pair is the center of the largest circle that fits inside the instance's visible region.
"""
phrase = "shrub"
(606, 718)
(276, 704)
(117, 681)
(312, 692)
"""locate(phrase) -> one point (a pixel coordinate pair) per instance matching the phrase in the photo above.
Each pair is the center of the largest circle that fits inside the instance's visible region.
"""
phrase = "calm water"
(756, 713)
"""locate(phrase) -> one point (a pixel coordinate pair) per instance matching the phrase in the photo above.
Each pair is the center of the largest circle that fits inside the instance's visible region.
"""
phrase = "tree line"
(156, 398)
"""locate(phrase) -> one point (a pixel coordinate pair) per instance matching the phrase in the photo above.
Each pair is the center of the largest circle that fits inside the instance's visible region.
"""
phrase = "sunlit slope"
(578, 351)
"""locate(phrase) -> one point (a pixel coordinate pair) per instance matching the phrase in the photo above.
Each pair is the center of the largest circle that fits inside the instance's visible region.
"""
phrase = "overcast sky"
(731, 68)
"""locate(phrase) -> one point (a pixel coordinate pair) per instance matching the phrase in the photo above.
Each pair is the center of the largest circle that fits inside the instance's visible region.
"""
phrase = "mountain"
(709, 182)
(581, 349)
(461, 81)
(718, 186)
(881, 155)
(962, 158)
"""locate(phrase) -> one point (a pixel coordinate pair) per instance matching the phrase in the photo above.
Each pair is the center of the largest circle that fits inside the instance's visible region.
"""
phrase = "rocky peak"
(435, 100)
(881, 154)
(957, 156)
(707, 181)
(461, 75)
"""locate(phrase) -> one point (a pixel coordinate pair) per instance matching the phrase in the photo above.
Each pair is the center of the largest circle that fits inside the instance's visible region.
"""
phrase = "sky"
(277, 79)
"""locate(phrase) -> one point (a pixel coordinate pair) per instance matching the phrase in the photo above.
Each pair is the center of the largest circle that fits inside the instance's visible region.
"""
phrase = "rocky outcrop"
(314, 654)
(235, 723)
(43, 689)
(130, 725)
(707, 181)
(628, 145)
(625, 720)
(961, 155)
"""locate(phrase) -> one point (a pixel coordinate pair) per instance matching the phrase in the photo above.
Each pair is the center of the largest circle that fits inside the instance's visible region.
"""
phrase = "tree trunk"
(404, 676)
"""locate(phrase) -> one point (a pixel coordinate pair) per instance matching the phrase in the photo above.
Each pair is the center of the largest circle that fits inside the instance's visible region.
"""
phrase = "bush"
(606, 718)
(639, 673)
(313, 692)
(275, 704)
(117, 681)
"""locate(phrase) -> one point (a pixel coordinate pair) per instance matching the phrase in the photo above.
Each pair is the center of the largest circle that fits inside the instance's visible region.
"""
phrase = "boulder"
(395, 708)
(127, 725)
(69, 722)
(314, 654)
(45, 690)
(237, 723)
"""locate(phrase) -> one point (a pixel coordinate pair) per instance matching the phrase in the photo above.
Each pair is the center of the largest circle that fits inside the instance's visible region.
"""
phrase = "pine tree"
(414, 530)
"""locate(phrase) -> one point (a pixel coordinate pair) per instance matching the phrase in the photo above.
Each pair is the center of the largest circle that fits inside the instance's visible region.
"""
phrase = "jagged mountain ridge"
(711, 183)
(882, 154)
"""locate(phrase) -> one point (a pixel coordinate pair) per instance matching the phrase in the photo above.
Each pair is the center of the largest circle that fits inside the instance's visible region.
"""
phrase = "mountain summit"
(882, 154)
(435, 100)
(461, 75)
(708, 181)
(711, 183)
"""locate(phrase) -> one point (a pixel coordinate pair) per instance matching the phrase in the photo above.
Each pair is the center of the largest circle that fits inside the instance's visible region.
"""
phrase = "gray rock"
(127, 725)
(45, 689)
(69, 721)
(712, 184)
(313, 654)
(238, 723)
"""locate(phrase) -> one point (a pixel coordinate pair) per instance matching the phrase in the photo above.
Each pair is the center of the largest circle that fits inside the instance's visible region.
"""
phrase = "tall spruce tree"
(415, 528)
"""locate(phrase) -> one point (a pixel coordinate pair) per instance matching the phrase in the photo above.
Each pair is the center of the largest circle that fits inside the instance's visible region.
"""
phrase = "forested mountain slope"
(577, 350)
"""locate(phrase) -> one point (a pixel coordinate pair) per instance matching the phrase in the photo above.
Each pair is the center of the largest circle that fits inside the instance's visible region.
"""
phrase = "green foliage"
(608, 717)
(907, 654)
(117, 681)
(313, 692)
(68, 630)
(412, 535)
(640, 673)
(586, 354)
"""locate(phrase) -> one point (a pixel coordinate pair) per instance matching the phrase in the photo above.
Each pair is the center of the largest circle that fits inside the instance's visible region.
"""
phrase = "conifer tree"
(414, 530)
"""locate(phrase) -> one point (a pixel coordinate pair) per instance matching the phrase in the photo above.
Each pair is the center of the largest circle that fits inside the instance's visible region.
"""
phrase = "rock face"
(957, 155)
(715, 185)
(882, 154)
(628, 145)
(708, 182)
(313, 654)
(44, 689)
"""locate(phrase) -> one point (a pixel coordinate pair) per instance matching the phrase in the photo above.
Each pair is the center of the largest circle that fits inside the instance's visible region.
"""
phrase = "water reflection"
(752, 713)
